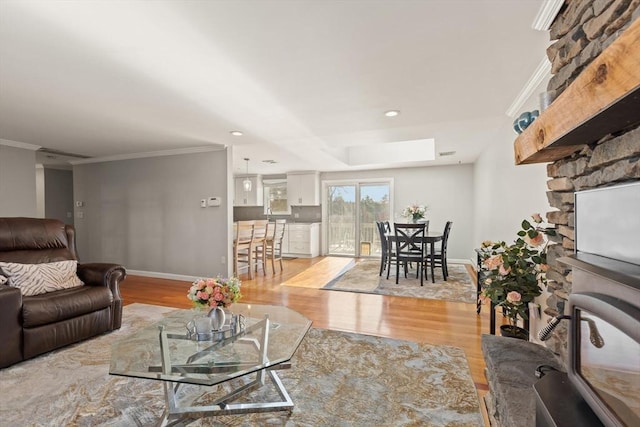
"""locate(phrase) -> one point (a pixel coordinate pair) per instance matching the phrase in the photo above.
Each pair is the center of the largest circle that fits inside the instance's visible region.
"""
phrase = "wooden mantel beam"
(604, 98)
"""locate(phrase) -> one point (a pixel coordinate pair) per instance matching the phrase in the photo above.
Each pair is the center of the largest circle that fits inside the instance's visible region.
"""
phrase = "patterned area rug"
(337, 379)
(363, 277)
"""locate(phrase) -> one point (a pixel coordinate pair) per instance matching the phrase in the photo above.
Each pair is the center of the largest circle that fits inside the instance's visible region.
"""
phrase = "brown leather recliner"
(32, 325)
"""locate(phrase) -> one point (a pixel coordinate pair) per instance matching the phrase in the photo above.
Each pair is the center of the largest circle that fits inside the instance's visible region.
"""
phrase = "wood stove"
(602, 384)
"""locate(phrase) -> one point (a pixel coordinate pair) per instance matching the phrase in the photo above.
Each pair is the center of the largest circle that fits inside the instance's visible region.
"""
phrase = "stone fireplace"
(590, 138)
(582, 30)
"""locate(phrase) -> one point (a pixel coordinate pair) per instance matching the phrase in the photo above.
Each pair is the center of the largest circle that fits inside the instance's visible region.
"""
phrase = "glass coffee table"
(256, 341)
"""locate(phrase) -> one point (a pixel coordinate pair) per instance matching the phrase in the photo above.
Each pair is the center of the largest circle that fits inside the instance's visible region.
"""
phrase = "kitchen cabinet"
(303, 188)
(285, 241)
(248, 198)
(302, 240)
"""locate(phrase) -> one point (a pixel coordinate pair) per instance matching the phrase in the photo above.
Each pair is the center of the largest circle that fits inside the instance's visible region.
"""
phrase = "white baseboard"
(171, 276)
(159, 275)
(460, 261)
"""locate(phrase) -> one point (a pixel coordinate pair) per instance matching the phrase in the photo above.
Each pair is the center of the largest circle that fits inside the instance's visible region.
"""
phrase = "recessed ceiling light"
(236, 133)
(391, 113)
(271, 162)
(446, 153)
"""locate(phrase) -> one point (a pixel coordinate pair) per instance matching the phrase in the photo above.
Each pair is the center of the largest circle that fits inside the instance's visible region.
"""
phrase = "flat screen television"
(604, 348)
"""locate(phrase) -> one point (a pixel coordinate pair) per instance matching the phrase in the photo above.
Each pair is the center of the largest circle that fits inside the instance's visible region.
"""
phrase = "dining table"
(430, 238)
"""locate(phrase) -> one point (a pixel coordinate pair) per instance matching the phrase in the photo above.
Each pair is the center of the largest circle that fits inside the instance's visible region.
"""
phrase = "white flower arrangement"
(414, 212)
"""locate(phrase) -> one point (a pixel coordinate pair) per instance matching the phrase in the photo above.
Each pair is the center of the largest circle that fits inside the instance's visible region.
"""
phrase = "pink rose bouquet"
(513, 274)
(216, 292)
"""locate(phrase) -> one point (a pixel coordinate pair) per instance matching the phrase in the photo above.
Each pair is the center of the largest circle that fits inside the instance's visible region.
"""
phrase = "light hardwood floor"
(420, 320)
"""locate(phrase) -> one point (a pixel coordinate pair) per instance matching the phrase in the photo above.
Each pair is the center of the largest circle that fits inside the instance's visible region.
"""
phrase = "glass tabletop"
(165, 351)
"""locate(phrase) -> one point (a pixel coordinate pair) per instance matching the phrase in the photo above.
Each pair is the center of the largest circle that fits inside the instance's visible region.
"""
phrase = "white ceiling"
(303, 80)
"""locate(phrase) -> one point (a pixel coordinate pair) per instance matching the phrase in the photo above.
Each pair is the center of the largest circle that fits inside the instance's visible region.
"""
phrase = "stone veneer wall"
(582, 30)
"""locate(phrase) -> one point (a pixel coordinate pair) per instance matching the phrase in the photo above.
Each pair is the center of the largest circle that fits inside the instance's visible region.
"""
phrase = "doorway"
(352, 209)
(54, 193)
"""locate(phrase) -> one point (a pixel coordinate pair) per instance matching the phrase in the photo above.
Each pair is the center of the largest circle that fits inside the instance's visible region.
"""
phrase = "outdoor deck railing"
(342, 239)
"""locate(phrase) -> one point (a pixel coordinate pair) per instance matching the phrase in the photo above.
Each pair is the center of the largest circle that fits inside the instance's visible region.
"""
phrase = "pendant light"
(246, 184)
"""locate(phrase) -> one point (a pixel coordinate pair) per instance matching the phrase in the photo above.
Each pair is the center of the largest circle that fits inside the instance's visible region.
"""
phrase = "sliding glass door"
(352, 211)
(374, 206)
(341, 219)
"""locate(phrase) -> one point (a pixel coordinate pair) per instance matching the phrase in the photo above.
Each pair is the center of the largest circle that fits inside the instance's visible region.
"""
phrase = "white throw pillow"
(36, 279)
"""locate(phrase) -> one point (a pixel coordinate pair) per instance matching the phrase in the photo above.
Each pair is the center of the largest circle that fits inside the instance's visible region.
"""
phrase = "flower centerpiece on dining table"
(215, 292)
(414, 212)
(513, 274)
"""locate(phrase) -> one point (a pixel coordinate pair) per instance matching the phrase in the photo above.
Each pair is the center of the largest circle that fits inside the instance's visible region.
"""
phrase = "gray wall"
(17, 182)
(40, 190)
(145, 213)
(446, 190)
(58, 195)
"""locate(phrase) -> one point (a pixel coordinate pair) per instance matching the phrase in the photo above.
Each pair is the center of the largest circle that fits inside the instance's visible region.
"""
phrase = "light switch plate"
(203, 203)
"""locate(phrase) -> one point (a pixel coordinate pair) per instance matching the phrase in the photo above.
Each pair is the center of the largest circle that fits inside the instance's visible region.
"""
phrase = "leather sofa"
(33, 325)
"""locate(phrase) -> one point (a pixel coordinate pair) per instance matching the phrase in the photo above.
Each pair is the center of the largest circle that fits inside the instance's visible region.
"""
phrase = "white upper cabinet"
(248, 198)
(303, 188)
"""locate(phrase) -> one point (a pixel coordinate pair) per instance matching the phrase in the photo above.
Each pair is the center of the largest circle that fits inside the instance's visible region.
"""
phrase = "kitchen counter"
(301, 240)
(304, 222)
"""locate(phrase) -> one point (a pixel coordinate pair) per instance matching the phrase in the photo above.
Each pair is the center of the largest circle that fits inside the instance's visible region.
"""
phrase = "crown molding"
(547, 13)
(120, 157)
(17, 144)
(541, 72)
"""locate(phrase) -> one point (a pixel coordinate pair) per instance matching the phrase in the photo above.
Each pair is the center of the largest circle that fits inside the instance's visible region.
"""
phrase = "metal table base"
(176, 415)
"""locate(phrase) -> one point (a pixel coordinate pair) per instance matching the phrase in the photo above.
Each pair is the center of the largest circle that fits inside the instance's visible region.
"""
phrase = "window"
(275, 197)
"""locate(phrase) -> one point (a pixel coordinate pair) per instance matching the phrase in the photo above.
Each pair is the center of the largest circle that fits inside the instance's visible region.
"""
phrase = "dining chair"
(439, 257)
(409, 248)
(386, 228)
(274, 243)
(258, 245)
(426, 230)
(243, 237)
(384, 247)
(388, 254)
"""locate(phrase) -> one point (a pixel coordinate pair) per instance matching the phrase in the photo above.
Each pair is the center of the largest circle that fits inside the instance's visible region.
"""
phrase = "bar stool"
(274, 243)
(243, 238)
(258, 244)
